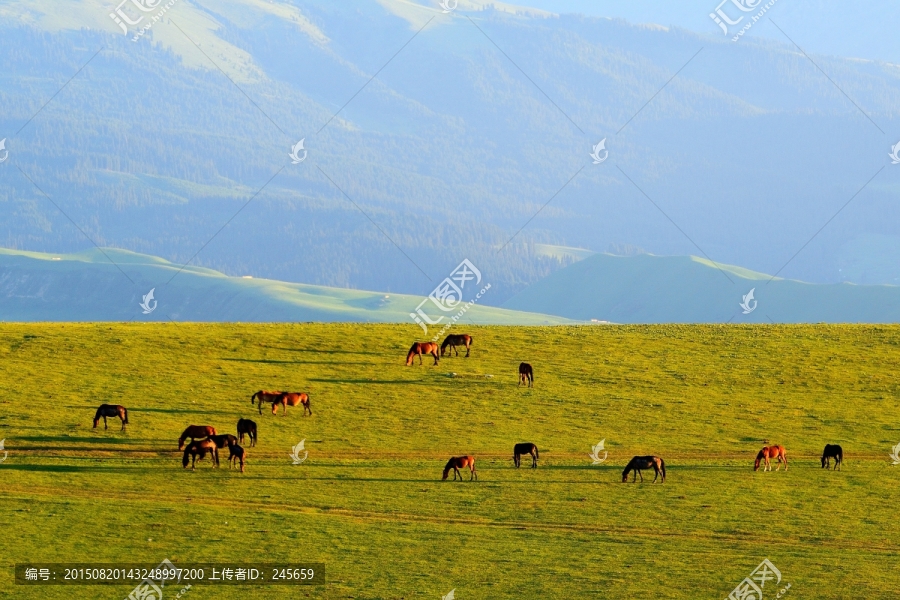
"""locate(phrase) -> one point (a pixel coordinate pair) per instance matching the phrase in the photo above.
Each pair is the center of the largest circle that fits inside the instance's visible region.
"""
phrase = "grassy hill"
(369, 502)
(109, 285)
(687, 289)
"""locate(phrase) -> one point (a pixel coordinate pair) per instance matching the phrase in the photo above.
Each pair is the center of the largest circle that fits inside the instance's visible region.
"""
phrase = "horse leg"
(467, 351)
(474, 474)
(123, 424)
(516, 459)
(104, 422)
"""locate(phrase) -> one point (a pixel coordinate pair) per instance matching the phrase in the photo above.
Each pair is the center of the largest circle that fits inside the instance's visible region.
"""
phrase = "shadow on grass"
(376, 381)
(83, 440)
(283, 362)
(185, 411)
(316, 350)
(70, 468)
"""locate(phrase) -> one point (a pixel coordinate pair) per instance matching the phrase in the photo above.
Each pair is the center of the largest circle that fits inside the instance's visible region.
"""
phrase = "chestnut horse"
(195, 432)
(525, 448)
(236, 453)
(421, 348)
(460, 462)
(111, 410)
(264, 396)
(832, 451)
(526, 374)
(770, 452)
(291, 399)
(201, 449)
(638, 463)
(246, 427)
(457, 340)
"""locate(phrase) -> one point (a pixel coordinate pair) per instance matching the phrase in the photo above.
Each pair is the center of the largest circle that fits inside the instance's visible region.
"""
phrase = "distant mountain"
(435, 137)
(110, 285)
(687, 289)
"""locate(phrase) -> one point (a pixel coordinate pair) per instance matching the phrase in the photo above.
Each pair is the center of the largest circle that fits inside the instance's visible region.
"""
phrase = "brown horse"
(221, 441)
(195, 432)
(200, 449)
(421, 348)
(525, 448)
(638, 463)
(247, 427)
(111, 410)
(526, 374)
(457, 340)
(832, 451)
(291, 399)
(264, 396)
(235, 452)
(770, 452)
(460, 462)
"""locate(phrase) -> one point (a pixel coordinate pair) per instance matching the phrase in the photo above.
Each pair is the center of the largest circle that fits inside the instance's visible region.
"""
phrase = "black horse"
(526, 375)
(221, 441)
(247, 427)
(832, 451)
(525, 448)
(645, 462)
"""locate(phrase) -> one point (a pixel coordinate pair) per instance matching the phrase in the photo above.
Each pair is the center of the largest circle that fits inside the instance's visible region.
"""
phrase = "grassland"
(369, 502)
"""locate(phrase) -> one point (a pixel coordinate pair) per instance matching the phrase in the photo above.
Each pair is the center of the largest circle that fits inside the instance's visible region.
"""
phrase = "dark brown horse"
(420, 348)
(200, 449)
(457, 340)
(246, 427)
(768, 453)
(526, 374)
(639, 463)
(221, 441)
(525, 448)
(111, 410)
(195, 432)
(264, 396)
(460, 462)
(236, 453)
(292, 399)
(832, 451)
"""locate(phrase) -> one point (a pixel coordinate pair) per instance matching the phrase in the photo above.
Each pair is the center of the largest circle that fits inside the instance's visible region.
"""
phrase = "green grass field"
(369, 502)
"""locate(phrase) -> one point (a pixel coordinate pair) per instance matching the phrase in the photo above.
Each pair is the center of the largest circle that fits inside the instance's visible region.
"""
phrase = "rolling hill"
(109, 285)
(687, 289)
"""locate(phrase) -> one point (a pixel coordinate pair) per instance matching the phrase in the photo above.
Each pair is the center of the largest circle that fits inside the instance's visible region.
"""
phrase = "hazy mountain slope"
(88, 287)
(449, 150)
(680, 289)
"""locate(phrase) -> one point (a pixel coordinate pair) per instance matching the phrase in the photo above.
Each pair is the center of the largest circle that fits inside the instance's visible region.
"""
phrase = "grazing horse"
(235, 452)
(421, 348)
(201, 449)
(457, 340)
(247, 427)
(638, 463)
(832, 451)
(291, 399)
(526, 374)
(264, 396)
(770, 452)
(111, 410)
(222, 440)
(460, 462)
(525, 448)
(195, 432)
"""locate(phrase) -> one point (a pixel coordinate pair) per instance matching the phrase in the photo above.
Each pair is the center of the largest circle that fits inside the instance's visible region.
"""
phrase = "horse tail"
(536, 453)
(125, 410)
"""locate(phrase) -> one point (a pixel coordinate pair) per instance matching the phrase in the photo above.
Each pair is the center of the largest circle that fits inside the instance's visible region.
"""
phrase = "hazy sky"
(866, 29)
